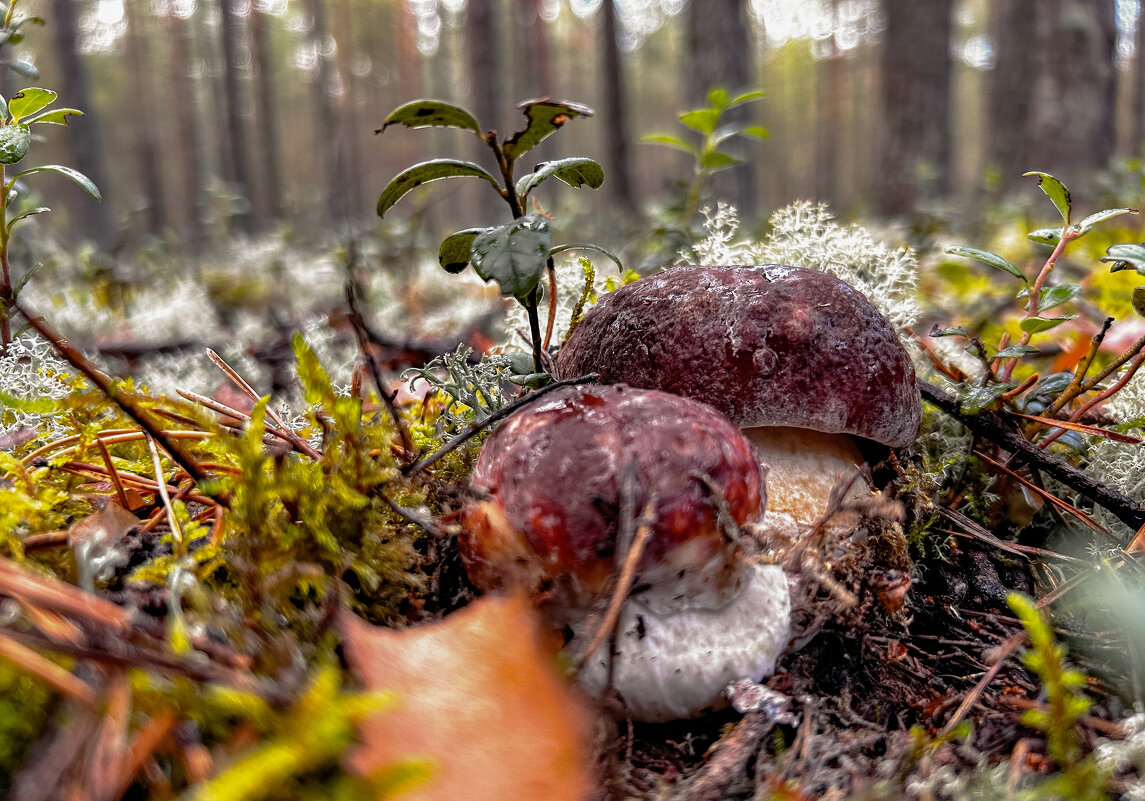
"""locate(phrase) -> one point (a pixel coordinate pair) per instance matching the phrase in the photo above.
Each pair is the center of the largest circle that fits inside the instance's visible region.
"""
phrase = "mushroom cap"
(767, 345)
(554, 473)
(676, 665)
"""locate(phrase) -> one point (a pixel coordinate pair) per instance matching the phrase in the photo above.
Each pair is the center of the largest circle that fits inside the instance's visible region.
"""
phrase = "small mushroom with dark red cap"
(557, 477)
(796, 357)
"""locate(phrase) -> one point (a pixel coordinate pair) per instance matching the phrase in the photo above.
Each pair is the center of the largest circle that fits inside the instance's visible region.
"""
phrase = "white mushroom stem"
(803, 467)
(676, 665)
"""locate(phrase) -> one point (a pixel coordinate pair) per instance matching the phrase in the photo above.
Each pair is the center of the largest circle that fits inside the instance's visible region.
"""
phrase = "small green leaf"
(454, 253)
(75, 175)
(988, 258)
(14, 143)
(1054, 383)
(513, 255)
(26, 214)
(1045, 236)
(28, 101)
(1015, 352)
(426, 172)
(718, 99)
(1035, 325)
(545, 117)
(714, 161)
(1102, 216)
(746, 97)
(1055, 190)
(587, 246)
(576, 172)
(1057, 295)
(973, 399)
(22, 68)
(431, 113)
(703, 120)
(1126, 256)
(1138, 298)
(57, 116)
(758, 131)
(671, 141)
(959, 331)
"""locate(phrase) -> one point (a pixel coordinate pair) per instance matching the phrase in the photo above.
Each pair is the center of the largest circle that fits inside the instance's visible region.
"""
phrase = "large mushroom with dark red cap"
(797, 358)
(557, 477)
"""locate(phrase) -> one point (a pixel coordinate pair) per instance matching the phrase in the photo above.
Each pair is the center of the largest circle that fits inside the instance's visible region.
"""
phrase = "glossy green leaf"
(576, 172)
(1045, 236)
(454, 253)
(14, 143)
(1054, 383)
(58, 116)
(1056, 191)
(1138, 300)
(22, 68)
(1035, 325)
(1102, 216)
(513, 255)
(972, 399)
(544, 118)
(703, 120)
(26, 214)
(427, 172)
(28, 101)
(746, 97)
(988, 258)
(74, 175)
(432, 113)
(718, 98)
(671, 141)
(1057, 295)
(1015, 352)
(958, 331)
(715, 160)
(1126, 256)
(758, 131)
(587, 246)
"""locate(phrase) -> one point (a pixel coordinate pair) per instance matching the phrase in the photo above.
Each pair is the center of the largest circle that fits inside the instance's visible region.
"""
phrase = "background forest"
(209, 118)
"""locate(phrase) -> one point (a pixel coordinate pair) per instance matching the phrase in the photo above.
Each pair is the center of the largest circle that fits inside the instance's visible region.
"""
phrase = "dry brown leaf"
(479, 696)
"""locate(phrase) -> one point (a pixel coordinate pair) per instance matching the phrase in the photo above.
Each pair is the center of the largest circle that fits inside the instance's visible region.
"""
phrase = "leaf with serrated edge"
(576, 172)
(1055, 190)
(454, 253)
(87, 184)
(988, 258)
(432, 113)
(545, 117)
(29, 101)
(513, 255)
(427, 172)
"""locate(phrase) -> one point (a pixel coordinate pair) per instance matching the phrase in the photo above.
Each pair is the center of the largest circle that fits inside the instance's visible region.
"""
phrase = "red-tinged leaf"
(1053, 499)
(478, 696)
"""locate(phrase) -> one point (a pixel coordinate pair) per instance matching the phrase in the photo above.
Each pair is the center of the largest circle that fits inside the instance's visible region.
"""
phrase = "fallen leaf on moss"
(479, 697)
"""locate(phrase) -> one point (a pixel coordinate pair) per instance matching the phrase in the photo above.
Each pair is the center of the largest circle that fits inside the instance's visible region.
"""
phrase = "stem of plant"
(6, 297)
(531, 303)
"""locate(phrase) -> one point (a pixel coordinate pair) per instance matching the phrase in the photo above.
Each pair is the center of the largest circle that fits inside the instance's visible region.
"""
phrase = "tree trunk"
(145, 144)
(1075, 100)
(618, 165)
(236, 165)
(829, 94)
(189, 157)
(1010, 99)
(85, 140)
(1137, 126)
(350, 124)
(536, 79)
(720, 56)
(916, 83)
(272, 202)
(333, 204)
(485, 64)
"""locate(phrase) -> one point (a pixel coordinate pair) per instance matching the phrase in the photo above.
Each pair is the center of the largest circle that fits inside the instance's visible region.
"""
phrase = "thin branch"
(496, 417)
(995, 428)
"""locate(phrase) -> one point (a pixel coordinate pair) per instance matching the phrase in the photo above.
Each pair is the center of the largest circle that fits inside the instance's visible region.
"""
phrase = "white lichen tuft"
(805, 234)
(1118, 757)
(1121, 465)
(31, 372)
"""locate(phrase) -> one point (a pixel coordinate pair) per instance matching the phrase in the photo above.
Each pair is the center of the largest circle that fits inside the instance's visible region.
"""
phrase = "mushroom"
(560, 475)
(797, 358)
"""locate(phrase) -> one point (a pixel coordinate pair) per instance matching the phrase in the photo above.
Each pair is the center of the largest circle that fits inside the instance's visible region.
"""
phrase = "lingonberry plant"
(517, 254)
(26, 108)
